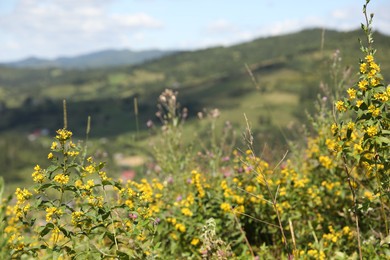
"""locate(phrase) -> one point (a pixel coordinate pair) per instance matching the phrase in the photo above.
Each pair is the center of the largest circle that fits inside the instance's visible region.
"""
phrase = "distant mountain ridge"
(100, 59)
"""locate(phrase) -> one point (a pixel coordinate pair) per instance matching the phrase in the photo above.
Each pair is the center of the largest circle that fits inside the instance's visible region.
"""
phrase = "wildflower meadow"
(326, 198)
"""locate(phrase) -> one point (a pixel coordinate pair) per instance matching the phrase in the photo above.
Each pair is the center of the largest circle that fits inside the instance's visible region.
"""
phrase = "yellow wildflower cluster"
(22, 195)
(352, 93)
(61, 178)
(54, 145)
(370, 196)
(53, 212)
(332, 145)
(372, 130)
(340, 106)
(63, 135)
(181, 227)
(226, 207)
(72, 153)
(314, 253)
(195, 241)
(38, 174)
(16, 242)
(90, 169)
(197, 181)
(76, 217)
(103, 176)
(383, 97)
(372, 70)
(375, 111)
(325, 161)
(334, 236)
(187, 212)
(96, 201)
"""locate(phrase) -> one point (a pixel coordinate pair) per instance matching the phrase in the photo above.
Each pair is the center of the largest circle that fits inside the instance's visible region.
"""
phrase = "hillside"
(291, 66)
(100, 59)
(288, 70)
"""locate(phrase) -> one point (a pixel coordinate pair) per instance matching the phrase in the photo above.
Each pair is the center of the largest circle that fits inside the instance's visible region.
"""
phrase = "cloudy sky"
(52, 28)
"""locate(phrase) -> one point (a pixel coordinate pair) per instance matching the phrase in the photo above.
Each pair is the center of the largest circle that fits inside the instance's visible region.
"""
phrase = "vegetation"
(325, 198)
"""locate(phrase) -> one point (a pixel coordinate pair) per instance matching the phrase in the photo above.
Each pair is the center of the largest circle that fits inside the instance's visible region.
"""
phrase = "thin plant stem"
(243, 232)
(354, 205)
(65, 114)
(136, 115)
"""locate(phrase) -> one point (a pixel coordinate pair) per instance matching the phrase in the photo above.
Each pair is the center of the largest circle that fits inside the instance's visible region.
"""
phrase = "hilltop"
(99, 59)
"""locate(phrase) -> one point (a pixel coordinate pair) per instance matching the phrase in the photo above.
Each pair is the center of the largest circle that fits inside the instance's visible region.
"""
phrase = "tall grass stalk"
(273, 195)
(136, 115)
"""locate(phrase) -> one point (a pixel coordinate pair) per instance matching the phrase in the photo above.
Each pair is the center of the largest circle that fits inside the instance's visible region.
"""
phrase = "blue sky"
(52, 28)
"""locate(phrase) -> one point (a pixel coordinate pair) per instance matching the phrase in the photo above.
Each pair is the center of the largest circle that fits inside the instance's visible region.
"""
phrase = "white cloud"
(70, 27)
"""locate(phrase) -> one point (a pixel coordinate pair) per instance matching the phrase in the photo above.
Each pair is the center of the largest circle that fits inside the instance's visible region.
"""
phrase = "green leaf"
(46, 229)
(52, 168)
(386, 240)
(382, 139)
(45, 186)
(65, 232)
(100, 166)
(122, 255)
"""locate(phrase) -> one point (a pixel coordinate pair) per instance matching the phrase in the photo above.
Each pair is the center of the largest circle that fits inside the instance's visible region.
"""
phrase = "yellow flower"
(359, 103)
(22, 195)
(374, 81)
(180, 227)
(96, 201)
(363, 67)
(52, 211)
(350, 125)
(383, 97)
(50, 156)
(375, 66)
(372, 130)
(54, 145)
(171, 220)
(340, 106)
(195, 241)
(326, 162)
(76, 216)
(369, 195)
(173, 236)
(334, 128)
(225, 207)
(78, 184)
(186, 212)
(352, 93)
(63, 135)
(61, 178)
(89, 169)
(238, 199)
(363, 84)
(369, 58)
(250, 188)
(331, 144)
(38, 175)
(239, 209)
(72, 153)
(103, 175)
